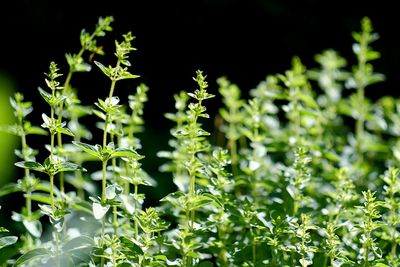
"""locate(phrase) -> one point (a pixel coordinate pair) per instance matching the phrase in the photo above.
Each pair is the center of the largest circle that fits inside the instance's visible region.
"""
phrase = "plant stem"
(52, 192)
(254, 253)
(113, 82)
(104, 163)
(103, 181)
(28, 194)
(135, 212)
(361, 120)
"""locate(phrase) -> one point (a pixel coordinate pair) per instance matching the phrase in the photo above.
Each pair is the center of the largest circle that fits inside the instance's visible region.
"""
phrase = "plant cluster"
(303, 173)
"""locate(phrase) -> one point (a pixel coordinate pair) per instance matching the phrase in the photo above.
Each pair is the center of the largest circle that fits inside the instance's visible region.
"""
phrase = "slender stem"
(103, 181)
(52, 192)
(325, 260)
(113, 82)
(366, 254)
(135, 212)
(234, 157)
(105, 131)
(254, 253)
(28, 200)
(361, 120)
(394, 244)
(115, 220)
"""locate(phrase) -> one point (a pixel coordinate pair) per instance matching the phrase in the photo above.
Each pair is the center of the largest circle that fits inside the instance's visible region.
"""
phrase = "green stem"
(366, 254)
(361, 120)
(28, 195)
(254, 253)
(103, 181)
(234, 157)
(135, 212)
(52, 192)
(113, 82)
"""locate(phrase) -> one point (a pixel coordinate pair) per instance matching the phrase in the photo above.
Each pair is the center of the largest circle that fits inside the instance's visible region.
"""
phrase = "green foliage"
(284, 181)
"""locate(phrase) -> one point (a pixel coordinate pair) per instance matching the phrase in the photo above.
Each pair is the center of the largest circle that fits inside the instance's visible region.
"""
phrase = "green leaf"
(112, 191)
(99, 210)
(125, 152)
(46, 96)
(31, 255)
(103, 68)
(9, 189)
(64, 131)
(127, 75)
(42, 198)
(78, 243)
(31, 165)
(83, 206)
(92, 150)
(99, 114)
(132, 246)
(36, 130)
(7, 241)
(33, 227)
(68, 166)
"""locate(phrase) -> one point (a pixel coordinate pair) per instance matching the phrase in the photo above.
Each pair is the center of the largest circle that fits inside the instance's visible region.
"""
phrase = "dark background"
(244, 40)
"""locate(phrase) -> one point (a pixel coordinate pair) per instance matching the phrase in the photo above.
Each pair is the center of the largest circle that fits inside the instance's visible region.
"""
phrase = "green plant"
(286, 182)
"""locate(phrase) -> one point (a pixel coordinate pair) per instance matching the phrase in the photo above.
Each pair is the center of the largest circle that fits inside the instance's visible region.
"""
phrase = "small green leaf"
(36, 130)
(99, 210)
(9, 189)
(7, 241)
(42, 198)
(68, 166)
(103, 68)
(133, 247)
(92, 150)
(112, 191)
(78, 243)
(46, 96)
(99, 114)
(124, 152)
(31, 165)
(31, 255)
(33, 227)
(64, 131)
(127, 75)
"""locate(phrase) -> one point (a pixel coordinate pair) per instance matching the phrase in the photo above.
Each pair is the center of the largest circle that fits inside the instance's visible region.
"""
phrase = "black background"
(244, 40)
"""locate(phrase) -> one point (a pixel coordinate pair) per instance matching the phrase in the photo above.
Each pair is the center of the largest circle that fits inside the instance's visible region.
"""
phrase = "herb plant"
(302, 173)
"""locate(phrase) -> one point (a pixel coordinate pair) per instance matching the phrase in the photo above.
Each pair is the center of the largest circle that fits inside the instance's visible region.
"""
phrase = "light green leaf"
(36, 130)
(42, 198)
(31, 255)
(103, 68)
(68, 166)
(9, 189)
(33, 227)
(112, 191)
(124, 152)
(127, 76)
(78, 243)
(31, 165)
(7, 241)
(64, 131)
(99, 210)
(92, 150)
(46, 96)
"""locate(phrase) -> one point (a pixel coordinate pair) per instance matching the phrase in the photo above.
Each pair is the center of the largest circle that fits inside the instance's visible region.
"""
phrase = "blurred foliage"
(7, 142)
